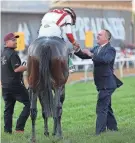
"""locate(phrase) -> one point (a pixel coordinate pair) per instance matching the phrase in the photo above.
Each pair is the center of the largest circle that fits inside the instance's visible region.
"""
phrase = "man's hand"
(20, 69)
(87, 52)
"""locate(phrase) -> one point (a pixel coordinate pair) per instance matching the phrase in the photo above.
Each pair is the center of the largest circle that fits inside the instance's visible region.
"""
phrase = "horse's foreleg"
(58, 112)
(46, 111)
(33, 109)
(54, 126)
(62, 98)
(46, 133)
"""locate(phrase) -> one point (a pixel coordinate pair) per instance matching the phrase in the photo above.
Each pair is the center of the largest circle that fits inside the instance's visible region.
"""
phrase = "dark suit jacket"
(103, 67)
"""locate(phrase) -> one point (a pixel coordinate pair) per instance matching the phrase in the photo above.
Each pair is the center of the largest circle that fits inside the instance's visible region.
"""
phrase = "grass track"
(79, 116)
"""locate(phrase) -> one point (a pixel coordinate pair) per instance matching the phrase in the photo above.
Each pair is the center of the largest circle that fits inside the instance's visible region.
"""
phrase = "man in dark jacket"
(103, 57)
(12, 87)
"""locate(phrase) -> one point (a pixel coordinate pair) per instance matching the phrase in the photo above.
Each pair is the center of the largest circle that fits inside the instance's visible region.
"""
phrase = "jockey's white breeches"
(50, 30)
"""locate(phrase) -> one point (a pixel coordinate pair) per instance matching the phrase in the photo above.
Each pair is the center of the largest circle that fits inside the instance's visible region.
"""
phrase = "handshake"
(77, 48)
(87, 52)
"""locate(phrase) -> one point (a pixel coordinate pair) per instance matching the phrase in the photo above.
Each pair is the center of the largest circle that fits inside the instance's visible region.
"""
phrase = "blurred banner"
(89, 39)
(20, 41)
(88, 23)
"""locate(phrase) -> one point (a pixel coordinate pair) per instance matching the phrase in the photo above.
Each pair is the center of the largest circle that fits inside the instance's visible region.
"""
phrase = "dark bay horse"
(47, 70)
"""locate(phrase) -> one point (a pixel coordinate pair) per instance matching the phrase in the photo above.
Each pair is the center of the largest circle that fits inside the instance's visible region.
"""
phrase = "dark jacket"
(103, 67)
(9, 61)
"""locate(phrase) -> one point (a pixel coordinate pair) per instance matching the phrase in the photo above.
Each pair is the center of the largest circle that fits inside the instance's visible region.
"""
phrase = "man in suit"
(103, 57)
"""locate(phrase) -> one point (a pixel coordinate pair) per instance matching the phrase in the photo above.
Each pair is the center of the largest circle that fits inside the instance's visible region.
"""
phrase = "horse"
(47, 75)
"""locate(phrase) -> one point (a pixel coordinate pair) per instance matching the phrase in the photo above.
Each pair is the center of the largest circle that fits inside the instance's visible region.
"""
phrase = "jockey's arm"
(69, 31)
(68, 22)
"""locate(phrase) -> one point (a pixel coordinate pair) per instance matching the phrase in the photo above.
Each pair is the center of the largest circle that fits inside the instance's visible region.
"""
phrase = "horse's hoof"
(58, 135)
(33, 140)
(46, 134)
(53, 134)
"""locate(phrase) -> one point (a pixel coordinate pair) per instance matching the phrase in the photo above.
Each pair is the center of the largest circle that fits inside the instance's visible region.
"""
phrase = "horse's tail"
(44, 74)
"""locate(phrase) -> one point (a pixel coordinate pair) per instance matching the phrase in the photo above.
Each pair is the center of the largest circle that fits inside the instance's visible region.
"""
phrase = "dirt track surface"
(80, 75)
(76, 76)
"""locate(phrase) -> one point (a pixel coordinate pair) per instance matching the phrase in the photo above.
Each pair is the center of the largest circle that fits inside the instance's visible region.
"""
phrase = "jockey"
(53, 20)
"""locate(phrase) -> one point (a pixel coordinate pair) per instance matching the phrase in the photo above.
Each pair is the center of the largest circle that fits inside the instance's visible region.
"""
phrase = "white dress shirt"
(101, 46)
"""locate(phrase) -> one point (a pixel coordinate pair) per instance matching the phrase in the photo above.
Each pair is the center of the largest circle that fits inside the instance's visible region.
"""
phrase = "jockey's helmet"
(71, 12)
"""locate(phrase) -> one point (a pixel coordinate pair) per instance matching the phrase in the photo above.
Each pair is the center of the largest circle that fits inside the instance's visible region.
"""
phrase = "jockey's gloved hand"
(76, 46)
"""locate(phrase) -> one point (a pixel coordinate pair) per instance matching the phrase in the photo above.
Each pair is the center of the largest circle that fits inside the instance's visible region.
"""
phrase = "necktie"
(99, 49)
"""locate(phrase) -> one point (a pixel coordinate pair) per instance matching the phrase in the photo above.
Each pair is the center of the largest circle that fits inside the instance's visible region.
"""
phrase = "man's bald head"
(103, 37)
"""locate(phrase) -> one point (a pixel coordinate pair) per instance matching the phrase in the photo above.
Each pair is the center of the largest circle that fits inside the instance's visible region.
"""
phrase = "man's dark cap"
(10, 36)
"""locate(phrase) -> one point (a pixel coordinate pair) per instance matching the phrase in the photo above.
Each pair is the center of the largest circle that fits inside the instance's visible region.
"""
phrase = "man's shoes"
(19, 131)
(113, 129)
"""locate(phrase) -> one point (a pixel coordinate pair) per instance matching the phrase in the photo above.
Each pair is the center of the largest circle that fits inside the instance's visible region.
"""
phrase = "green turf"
(79, 117)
